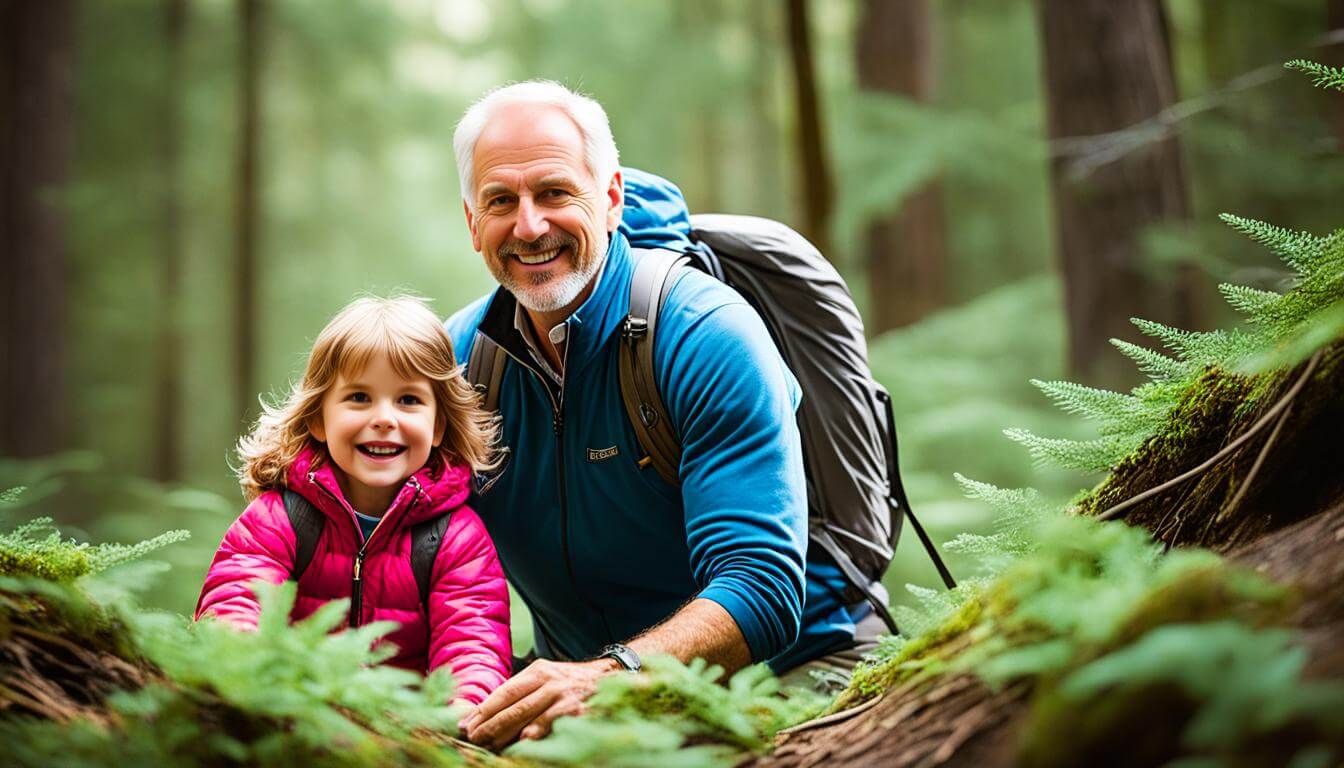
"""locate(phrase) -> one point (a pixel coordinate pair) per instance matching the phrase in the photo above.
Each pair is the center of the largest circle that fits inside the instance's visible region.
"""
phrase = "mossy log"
(1300, 461)
(960, 721)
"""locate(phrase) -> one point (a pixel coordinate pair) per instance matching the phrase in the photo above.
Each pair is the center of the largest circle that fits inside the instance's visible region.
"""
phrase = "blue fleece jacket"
(601, 550)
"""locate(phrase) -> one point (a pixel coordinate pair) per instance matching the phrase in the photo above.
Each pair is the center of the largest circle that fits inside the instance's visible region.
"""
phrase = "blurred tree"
(815, 176)
(764, 134)
(906, 251)
(1108, 68)
(246, 204)
(168, 450)
(36, 86)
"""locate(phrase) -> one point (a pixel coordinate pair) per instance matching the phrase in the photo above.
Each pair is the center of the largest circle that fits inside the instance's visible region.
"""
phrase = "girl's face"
(379, 429)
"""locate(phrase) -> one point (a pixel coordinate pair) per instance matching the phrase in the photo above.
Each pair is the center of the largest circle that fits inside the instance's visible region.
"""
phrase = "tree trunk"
(171, 243)
(1108, 67)
(36, 92)
(816, 174)
(906, 251)
(246, 211)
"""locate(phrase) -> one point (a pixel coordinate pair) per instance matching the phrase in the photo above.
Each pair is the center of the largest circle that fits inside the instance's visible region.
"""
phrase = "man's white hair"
(599, 148)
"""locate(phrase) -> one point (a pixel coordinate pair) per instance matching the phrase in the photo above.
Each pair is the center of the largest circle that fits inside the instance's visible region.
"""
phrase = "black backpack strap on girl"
(426, 536)
(308, 522)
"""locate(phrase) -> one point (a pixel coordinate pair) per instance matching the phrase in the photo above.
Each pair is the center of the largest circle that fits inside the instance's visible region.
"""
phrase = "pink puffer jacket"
(468, 623)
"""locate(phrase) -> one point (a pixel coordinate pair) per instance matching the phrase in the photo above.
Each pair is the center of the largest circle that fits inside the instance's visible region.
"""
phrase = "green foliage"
(281, 695)
(1321, 75)
(1249, 680)
(25, 552)
(645, 719)
(628, 742)
(324, 684)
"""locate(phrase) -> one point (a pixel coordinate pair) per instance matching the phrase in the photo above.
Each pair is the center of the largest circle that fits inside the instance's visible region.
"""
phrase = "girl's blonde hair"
(416, 344)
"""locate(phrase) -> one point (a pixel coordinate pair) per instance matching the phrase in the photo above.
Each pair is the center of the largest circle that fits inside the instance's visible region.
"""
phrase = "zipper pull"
(356, 591)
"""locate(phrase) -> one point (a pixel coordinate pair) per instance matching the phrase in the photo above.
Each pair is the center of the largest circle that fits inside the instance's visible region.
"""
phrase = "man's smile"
(539, 257)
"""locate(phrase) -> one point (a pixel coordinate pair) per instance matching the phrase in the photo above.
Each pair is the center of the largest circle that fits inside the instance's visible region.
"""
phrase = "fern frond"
(1321, 75)
(1298, 250)
(1088, 455)
(1257, 304)
(1090, 403)
(1156, 365)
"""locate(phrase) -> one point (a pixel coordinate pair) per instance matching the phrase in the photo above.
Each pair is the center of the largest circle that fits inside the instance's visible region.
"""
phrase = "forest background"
(192, 187)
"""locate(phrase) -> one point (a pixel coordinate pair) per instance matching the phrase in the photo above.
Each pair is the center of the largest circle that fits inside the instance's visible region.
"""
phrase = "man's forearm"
(702, 628)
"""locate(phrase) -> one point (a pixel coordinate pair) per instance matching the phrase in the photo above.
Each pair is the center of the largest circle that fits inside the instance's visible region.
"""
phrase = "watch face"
(623, 656)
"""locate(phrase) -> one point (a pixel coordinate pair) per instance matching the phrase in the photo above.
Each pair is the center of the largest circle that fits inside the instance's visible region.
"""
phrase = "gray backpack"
(856, 502)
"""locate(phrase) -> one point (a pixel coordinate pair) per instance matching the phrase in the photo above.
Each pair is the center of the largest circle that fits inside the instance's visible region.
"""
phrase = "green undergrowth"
(296, 694)
(677, 714)
(1129, 649)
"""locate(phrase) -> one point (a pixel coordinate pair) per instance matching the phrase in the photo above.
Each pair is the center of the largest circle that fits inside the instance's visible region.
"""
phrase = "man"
(614, 563)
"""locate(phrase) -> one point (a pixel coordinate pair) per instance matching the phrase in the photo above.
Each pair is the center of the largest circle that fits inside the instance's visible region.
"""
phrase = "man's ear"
(317, 429)
(471, 226)
(615, 201)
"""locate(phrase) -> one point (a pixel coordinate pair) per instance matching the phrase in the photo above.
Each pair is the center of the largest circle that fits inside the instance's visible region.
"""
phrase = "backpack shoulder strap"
(426, 536)
(639, 387)
(307, 523)
(485, 367)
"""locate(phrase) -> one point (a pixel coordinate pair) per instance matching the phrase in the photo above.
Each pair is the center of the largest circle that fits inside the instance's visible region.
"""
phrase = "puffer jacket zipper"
(356, 574)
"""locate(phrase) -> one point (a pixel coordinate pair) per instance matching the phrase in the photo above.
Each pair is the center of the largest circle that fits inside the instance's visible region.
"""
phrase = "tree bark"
(36, 94)
(169, 411)
(1108, 67)
(907, 250)
(818, 192)
(246, 201)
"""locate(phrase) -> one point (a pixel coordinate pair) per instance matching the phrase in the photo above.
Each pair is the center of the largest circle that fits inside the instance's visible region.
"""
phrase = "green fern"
(1321, 75)
(26, 553)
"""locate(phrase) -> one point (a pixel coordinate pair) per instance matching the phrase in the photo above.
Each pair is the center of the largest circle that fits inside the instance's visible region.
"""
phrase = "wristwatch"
(623, 656)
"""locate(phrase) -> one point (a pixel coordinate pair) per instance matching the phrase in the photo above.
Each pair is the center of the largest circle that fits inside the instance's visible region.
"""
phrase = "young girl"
(381, 433)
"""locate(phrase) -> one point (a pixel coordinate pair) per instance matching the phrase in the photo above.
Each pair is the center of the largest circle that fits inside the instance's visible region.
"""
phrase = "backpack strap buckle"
(634, 328)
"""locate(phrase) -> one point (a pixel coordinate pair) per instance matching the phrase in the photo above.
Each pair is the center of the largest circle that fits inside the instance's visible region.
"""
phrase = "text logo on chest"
(601, 454)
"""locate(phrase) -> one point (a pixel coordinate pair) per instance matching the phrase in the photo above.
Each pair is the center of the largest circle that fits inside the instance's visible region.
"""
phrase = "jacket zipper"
(558, 427)
(356, 574)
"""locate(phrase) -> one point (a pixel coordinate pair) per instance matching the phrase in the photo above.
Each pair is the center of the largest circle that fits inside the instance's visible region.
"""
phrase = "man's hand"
(526, 704)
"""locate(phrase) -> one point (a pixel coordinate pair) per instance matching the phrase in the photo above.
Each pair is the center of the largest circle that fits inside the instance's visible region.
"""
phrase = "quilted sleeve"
(469, 609)
(259, 545)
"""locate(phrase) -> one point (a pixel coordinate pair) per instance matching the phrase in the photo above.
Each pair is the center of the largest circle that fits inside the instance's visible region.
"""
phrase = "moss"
(871, 679)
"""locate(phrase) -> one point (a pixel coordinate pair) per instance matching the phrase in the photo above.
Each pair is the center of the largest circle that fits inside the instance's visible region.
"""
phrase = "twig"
(1228, 449)
(1085, 154)
(1255, 468)
(834, 717)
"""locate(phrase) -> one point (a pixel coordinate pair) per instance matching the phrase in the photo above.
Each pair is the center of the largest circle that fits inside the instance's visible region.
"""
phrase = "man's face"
(539, 218)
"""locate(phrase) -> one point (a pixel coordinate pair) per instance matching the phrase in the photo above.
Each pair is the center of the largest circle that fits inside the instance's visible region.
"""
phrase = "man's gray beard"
(549, 295)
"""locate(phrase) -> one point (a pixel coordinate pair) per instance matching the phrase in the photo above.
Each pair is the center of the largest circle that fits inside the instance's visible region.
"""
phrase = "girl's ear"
(439, 429)
(317, 429)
